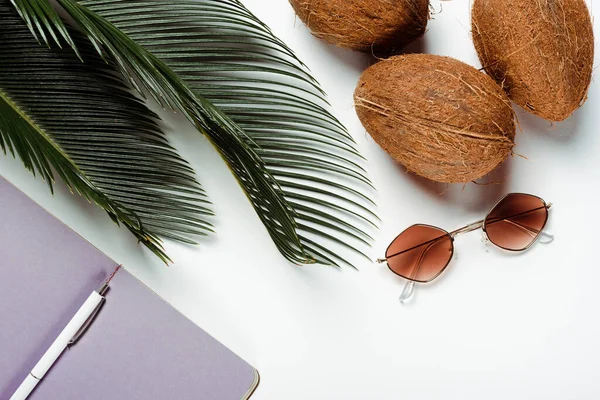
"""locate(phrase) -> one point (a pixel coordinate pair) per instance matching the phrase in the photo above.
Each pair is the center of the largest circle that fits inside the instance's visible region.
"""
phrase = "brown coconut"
(541, 51)
(437, 116)
(379, 26)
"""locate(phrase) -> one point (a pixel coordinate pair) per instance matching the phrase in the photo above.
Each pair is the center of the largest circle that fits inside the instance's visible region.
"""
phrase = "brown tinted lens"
(420, 253)
(516, 221)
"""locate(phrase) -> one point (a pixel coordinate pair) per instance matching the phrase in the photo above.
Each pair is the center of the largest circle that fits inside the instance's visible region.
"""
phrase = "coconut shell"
(541, 51)
(379, 26)
(437, 116)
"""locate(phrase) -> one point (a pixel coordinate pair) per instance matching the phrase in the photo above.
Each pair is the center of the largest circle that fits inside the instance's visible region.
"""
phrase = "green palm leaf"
(76, 118)
(248, 89)
(41, 18)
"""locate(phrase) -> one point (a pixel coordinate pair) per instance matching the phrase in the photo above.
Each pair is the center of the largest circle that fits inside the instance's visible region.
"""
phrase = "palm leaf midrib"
(4, 97)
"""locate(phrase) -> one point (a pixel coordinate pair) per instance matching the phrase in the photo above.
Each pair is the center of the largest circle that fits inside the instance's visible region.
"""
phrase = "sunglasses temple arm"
(546, 237)
(408, 291)
(409, 288)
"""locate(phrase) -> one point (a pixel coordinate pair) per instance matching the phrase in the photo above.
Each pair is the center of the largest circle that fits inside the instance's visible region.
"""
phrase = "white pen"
(69, 336)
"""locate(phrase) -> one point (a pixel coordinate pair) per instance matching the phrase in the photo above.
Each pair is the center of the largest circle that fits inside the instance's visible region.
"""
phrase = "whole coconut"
(437, 116)
(380, 26)
(541, 51)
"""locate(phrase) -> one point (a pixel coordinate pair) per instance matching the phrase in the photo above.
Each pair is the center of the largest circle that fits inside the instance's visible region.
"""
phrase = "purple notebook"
(138, 347)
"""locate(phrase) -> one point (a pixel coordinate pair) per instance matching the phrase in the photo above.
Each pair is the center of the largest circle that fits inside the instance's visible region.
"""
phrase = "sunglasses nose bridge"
(466, 229)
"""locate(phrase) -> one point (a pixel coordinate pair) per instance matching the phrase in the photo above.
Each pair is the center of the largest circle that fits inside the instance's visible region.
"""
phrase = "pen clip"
(86, 324)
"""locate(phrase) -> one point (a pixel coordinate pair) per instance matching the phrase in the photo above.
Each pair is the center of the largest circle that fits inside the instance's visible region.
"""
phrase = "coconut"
(437, 116)
(541, 51)
(379, 26)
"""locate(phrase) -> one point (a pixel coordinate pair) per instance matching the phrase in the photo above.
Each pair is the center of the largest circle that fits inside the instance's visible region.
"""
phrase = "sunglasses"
(422, 252)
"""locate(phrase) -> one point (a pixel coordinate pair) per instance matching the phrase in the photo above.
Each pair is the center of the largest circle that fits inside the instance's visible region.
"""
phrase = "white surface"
(494, 326)
(57, 347)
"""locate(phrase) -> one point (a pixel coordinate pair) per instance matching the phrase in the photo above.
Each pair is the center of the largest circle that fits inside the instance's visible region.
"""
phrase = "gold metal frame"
(470, 228)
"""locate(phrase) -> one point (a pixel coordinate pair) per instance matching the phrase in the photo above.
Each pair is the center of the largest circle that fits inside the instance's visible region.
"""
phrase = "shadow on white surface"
(350, 59)
(418, 46)
(565, 132)
(479, 197)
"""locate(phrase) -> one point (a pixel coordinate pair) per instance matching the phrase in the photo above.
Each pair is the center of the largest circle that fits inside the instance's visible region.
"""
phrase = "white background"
(495, 326)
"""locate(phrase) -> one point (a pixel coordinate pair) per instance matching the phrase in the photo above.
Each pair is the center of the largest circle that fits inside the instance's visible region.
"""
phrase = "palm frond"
(222, 51)
(252, 91)
(236, 148)
(78, 119)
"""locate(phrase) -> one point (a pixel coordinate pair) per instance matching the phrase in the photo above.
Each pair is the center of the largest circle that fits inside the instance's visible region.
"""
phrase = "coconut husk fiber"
(379, 26)
(541, 51)
(437, 116)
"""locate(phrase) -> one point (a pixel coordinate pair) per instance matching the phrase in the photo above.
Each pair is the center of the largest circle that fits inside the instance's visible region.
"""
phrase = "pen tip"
(113, 274)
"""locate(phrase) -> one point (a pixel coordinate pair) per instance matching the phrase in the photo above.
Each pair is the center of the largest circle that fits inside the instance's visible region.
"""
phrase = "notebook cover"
(139, 347)
(47, 271)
